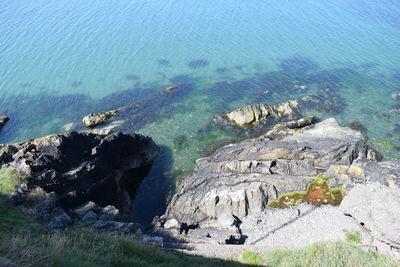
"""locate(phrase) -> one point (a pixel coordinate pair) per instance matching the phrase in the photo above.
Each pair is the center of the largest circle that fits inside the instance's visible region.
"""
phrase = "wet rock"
(60, 221)
(377, 208)
(77, 168)
(133, 228)
(3, 121)
(172, 224)
(98, 118)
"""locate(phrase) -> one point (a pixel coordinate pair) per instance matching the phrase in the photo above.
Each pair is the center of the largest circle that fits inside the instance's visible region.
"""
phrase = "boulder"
(3, 121)
(80, 168)
(94, 119)
(249, 115)
(172, 224)
(60, 221)
(90, 217)
(252, 115)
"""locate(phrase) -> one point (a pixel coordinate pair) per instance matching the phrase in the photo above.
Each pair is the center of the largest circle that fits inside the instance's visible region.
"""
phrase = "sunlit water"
(60, 60)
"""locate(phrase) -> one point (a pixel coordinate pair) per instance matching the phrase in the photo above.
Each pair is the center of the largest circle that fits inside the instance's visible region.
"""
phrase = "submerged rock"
(79, 168)
(94, 119)
(3, 121)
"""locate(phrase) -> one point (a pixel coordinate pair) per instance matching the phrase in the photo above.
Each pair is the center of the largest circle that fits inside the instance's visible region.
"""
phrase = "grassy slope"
(331, 254)
(25, 242)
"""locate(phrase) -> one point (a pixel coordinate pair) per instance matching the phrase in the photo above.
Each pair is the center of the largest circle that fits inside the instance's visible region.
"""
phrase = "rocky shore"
(298, 182)
(249, 192)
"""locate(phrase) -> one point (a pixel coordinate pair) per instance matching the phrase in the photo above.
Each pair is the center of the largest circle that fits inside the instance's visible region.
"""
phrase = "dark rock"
(60, 221)
(109, 213)
(90, 217)
(3, 121)
(81, 167)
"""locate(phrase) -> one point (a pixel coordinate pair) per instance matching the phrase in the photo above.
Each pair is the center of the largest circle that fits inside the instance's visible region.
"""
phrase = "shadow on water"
(151, 198)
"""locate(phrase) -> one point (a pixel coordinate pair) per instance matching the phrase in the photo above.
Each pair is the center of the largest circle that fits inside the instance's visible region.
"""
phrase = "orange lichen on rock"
(318, 193)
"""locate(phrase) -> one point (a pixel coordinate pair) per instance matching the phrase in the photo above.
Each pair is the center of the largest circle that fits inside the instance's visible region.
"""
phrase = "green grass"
(25, 242)
(353, 237)
(330, 254)
(9, 179)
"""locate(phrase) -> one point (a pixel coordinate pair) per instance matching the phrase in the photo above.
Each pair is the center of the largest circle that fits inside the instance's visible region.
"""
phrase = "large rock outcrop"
(69, 170)
(241, 178)
(233, 194)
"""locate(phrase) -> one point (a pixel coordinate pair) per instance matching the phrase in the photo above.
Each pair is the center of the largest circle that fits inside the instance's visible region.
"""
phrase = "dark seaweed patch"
(181, 79)
(358, 126)
(76, 84)
(164, 62)
(221, 70)
(132, 77)
(298, 65)
(369, 65)
(198, 63)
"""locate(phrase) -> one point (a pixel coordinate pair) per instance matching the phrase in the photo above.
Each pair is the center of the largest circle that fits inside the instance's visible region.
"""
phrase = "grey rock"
(60, 221)
(82, 210)
(227, 221)
(172, 224)
(3, 121)
(239, 179)
(98, 118)
(377, 208)
(213, 236)
(252, 115)
(90, 217)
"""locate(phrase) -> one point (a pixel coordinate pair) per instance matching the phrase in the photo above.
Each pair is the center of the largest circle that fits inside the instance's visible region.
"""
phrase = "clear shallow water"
(60, 60)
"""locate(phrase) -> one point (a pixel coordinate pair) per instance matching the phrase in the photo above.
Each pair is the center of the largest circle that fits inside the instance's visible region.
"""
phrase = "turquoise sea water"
(60, 60)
